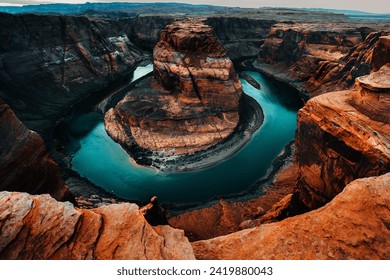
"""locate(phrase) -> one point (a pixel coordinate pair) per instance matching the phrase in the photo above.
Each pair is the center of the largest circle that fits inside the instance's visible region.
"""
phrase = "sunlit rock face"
(192, 101)
(343, 136)
(354, 225)
(39, 227)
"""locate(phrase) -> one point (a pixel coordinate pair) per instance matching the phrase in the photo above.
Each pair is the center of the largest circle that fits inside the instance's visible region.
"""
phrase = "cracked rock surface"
(39, 227)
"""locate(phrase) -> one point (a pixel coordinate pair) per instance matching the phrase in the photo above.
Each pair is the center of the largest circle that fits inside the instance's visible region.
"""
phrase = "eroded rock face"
(25, 164)
(354, 225)
(367, 56)
(50, 62)
(318, 58)
(343, 136)
(39, 227)
(372, 96)
(192, 102)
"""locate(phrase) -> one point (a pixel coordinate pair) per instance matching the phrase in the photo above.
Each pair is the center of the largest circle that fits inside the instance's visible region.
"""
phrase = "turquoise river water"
(97, 157)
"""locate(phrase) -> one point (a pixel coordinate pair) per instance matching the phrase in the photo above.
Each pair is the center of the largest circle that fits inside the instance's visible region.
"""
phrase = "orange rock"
(354, 225)
(39, 227)
(339, 141)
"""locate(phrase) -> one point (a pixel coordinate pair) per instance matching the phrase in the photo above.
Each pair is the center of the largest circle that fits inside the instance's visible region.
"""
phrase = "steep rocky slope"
(317, 58)
(25, 164)
(241, 36)
(191, 103)
(39, 227)
(338, 230)
(49, 63)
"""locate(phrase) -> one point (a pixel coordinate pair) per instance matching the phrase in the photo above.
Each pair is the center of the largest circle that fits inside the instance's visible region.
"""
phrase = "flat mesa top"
(377, 81)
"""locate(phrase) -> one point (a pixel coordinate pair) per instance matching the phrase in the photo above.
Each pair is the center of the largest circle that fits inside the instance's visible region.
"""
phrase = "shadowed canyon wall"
(25, 163)
(49, 63)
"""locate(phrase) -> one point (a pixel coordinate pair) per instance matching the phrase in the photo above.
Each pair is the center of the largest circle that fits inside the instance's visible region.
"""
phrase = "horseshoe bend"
(193, 132)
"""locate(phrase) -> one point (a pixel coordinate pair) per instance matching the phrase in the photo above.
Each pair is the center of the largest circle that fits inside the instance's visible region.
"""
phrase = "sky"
(376, 6)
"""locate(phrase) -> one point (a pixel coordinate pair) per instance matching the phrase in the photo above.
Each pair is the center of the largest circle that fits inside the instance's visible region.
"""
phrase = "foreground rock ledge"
(354, 225)
(192, 102)
(39, 227)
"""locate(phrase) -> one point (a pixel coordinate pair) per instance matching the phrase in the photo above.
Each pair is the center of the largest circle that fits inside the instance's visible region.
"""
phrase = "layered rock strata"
(49, 63)
(25, 163)
(191, 103)
(372, 96)
(340, 139)
(317, 58)
(39, 227)
(354, 225)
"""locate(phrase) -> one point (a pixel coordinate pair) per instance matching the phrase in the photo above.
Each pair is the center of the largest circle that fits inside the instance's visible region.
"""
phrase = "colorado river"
(97, 157)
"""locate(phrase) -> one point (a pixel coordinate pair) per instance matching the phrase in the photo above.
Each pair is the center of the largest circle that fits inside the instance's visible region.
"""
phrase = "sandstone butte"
(39, 227)
(192, 101)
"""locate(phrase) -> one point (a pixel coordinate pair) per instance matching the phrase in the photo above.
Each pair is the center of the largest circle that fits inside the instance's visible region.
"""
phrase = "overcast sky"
(378, 6)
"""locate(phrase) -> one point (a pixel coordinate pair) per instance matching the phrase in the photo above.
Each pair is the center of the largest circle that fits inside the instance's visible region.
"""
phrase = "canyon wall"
(343, 136)
(49, 63)
(39, 227)
(25, 163)
(191, 103)
(318, 58)
(241, 36)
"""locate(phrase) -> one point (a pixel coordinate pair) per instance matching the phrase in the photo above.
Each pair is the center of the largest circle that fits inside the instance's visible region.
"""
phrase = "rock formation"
(338, 230)
(343, 136)
(49, 63)
(25, 164)
(318, 58)
(192, 102)
(369, 55)
(39, 227)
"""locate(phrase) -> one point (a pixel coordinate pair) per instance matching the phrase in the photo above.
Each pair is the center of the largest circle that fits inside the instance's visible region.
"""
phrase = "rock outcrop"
(354, 225)
(25, 164)
(39, 227)
(50, 62)
(192, 102)
(343, 136)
